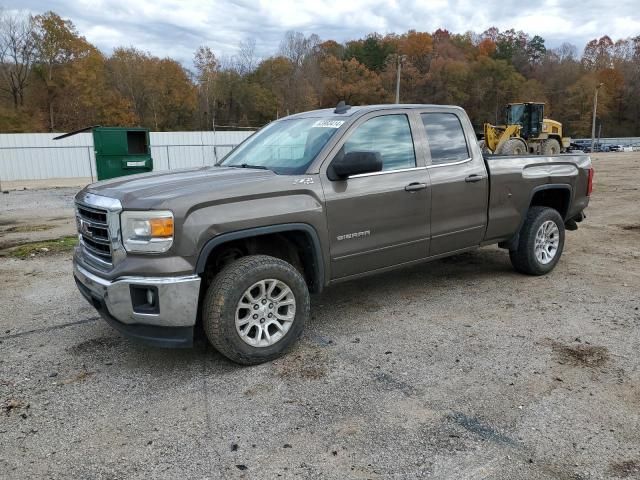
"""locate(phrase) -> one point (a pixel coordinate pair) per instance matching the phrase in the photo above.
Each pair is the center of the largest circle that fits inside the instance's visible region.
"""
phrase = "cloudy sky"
(176, 28)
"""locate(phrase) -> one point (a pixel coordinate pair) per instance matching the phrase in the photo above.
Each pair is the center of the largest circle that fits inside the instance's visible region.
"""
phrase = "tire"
(526, 258)
(222, 311)
(483, 147)
(550, 147)
(513, 146)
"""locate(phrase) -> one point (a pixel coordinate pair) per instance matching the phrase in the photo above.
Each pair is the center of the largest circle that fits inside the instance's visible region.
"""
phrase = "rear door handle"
(473, 178)
(414, 187)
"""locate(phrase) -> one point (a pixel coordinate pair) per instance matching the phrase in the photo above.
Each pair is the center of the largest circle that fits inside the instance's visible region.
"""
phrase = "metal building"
(36, 156)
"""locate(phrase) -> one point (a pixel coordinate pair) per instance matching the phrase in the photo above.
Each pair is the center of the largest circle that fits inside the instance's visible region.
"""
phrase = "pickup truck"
(317, 198)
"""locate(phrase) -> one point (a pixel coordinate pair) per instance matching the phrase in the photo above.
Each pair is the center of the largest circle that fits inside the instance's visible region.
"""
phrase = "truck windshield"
(286, 146)
(515, 114)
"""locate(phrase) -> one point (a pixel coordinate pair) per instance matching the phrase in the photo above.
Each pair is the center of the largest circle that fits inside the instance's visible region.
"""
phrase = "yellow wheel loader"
(525, 131)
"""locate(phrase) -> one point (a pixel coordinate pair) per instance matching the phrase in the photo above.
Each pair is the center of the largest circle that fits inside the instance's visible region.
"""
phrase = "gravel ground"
(457, 369)
(33, 215)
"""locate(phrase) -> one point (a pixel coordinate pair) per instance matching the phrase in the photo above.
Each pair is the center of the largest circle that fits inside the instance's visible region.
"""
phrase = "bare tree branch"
(17, 54)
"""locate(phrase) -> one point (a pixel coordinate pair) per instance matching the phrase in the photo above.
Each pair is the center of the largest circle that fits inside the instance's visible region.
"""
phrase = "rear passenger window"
(446, 137)
(390, 135)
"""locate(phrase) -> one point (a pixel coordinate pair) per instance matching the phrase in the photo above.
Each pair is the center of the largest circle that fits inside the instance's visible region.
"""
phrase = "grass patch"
(28, 228)
(45, 247)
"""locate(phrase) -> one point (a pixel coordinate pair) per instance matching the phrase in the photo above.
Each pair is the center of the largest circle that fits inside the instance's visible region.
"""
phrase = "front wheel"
(255, 309)
(513, 146)
(541, 242)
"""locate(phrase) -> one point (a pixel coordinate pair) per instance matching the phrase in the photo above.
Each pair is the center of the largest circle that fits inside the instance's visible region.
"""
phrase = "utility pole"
(593, 122)
(399, 59)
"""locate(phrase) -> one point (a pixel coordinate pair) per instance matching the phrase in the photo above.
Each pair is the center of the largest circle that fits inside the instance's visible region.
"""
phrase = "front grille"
(93, 227)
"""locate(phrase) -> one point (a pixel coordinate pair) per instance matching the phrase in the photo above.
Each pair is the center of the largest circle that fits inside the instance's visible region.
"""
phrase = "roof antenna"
(342, 107)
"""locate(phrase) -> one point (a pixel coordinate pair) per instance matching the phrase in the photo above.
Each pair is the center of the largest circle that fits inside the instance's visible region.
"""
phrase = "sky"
(176, 28)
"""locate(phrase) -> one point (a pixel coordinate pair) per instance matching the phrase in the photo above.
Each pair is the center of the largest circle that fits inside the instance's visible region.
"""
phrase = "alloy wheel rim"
(265, 312)
(547, 242)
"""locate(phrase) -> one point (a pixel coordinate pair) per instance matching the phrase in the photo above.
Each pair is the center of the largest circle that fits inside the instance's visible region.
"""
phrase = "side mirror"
(355, 163)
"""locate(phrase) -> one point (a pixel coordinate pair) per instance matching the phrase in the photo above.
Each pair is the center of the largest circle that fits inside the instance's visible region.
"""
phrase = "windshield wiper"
(246, 165)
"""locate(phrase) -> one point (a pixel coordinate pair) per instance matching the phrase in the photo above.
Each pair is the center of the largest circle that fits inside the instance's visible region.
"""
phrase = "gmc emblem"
(84, 229)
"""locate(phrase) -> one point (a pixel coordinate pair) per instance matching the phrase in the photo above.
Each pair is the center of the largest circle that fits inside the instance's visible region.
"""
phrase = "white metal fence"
(36, 156)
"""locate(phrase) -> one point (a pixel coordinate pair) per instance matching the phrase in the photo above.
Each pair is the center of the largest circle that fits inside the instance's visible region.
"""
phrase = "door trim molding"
(374, 250)
(458, 231)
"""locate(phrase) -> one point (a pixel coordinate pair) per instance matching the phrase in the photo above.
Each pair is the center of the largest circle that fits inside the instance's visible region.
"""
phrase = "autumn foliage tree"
(52, 78)
(159, 90)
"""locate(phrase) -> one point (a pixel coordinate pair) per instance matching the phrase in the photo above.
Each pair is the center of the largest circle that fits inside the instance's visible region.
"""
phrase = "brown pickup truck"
(311, 200)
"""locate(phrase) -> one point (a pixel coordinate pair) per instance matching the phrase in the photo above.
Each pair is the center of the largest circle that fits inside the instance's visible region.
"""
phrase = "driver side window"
(390, 136)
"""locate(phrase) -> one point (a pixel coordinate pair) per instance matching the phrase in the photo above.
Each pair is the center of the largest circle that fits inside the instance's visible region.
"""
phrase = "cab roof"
(357, 111)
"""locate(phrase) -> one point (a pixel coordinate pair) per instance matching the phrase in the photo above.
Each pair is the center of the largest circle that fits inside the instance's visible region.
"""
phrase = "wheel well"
(295, 247)
(556, 198)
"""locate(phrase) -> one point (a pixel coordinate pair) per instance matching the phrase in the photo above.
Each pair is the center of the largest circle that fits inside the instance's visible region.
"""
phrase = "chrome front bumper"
(177, 299)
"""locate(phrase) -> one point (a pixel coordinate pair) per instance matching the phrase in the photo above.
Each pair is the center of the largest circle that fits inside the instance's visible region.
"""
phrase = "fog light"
(144, 299)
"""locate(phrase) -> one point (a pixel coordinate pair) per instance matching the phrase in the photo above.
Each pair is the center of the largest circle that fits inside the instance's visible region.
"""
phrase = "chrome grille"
(93, 227)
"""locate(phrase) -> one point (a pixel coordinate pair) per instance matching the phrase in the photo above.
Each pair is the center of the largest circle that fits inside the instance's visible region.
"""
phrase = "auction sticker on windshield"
(328, 123)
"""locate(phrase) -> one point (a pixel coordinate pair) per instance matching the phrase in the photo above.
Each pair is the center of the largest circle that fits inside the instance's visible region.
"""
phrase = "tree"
(159, 90)
(487, 47)
(274, 74)
(536, 50)
(206, 65)
(580, 103)
(598, 54)
(565, 52)
(372, 52)
(447, 82)
(330, 47)
(511, 46)
(247, 56)
(418, 47)
(491, 84)
(88, 97)
(296, 47)
(58, 45)
(53, 78)
(17, 54)
(351, 81)
(301, 52)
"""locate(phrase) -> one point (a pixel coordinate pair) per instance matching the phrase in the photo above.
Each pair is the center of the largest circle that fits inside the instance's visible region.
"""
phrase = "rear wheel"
(255, 309)
(541, 242)
(513, 146)
(550, 147)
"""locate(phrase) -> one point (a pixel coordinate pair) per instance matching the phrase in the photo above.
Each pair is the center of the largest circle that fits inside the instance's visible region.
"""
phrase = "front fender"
(312, 234)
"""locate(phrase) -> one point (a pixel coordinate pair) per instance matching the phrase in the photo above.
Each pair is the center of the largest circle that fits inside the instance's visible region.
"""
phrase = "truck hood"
(152, 190)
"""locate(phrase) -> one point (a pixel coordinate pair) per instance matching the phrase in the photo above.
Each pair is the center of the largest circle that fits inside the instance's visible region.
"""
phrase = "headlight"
(150, 231)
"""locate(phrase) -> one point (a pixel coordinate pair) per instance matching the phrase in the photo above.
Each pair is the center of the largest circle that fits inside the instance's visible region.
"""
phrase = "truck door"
(378, 219)
(459, 184)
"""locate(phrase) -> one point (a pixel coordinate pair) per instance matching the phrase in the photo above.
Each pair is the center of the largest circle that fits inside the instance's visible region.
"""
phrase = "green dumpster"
(121, 151)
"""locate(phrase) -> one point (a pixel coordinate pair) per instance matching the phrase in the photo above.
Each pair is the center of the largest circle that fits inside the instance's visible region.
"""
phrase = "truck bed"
(515, 180)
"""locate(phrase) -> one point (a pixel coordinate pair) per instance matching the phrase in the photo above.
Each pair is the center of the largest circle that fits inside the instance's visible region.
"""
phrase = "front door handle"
(414, 187)
(473, 178)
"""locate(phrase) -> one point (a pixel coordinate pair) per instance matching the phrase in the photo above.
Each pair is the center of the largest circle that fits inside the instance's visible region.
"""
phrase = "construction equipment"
(525, 131)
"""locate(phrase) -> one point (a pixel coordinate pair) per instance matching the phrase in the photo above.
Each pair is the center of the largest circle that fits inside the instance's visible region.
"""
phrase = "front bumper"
(170, 325)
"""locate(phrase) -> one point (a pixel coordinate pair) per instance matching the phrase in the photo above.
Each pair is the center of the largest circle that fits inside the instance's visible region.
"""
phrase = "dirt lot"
(457, 369)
